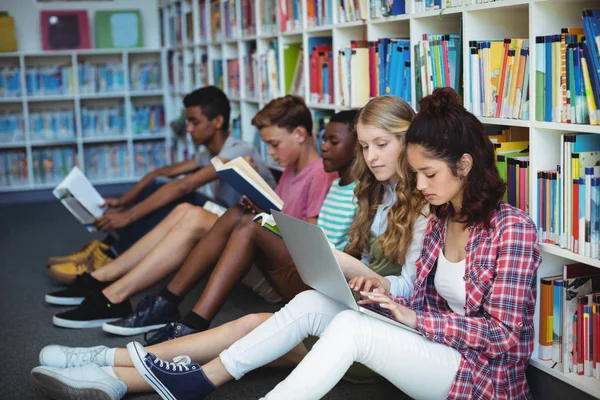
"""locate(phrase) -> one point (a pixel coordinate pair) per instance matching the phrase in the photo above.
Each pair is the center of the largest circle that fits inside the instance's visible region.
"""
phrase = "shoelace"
(77, 357)
(179, 363)
(160, 335)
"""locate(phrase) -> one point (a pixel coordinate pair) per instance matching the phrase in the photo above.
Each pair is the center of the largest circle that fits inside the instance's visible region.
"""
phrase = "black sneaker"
(172, 330)
(153, 312)
(94, 311)
(83, 285)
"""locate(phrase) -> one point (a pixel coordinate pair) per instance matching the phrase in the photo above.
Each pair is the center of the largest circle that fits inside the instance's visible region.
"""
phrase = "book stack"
(229, 17)
(10, 81)
(148, 119)
(268, 17)
(569, 197)
(321, 70)
(233, 77)
(290, 14)
(106, 161)
(215, 19)
(49, 80)
(267, 73)
(148, 156)
(174, 23)
(98, 78)
(319, 12)
(52, 164)
(500, 78)
(352, 10)
(429, 5)
(248, 17)
(13, 168)
(145, 76)
(570, 320)
(103, 121)
(12, 127)
(568, 74)
(293, 62)
(52, 125)
(379, 9)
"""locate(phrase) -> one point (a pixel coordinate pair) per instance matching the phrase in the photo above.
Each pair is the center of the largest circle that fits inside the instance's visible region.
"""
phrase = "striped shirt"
(337, 213)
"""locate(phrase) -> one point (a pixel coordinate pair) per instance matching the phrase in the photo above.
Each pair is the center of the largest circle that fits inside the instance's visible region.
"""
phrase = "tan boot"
(81, 255)
(66, 272)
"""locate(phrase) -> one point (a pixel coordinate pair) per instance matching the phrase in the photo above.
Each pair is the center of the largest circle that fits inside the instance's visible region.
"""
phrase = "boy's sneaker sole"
(67, 323)
(122, 331)
(61, 387)
(137, 357)
(64, 301)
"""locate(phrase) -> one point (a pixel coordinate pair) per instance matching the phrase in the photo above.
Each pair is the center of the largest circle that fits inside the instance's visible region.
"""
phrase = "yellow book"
(496, 61)
(359, 73)
(556, 88)
(589, 96)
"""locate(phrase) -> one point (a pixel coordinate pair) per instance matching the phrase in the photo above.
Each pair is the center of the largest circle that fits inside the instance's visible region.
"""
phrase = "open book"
(242, 177)
(81, 198)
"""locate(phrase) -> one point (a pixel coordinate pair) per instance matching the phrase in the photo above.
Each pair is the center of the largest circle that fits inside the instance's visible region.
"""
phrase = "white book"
(80, 197)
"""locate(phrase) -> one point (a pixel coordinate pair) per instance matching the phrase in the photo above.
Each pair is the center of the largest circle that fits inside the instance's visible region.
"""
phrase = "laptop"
(318, 267)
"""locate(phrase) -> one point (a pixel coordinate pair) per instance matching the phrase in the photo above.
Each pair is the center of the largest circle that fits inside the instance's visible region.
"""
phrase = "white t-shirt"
(450, 284)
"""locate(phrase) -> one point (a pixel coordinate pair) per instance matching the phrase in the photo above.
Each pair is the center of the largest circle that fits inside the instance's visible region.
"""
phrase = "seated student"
(285, 124)
(146, 204)
(387, 216)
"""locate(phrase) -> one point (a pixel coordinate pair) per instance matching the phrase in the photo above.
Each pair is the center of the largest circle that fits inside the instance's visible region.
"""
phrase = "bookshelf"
(487, 21)
(104, 125)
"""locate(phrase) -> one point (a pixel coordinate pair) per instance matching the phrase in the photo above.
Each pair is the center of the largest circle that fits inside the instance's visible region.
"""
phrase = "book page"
(85, 193)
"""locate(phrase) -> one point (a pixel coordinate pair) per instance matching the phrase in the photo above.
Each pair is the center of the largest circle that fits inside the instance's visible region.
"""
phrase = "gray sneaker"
(68, 357)
(87, 382)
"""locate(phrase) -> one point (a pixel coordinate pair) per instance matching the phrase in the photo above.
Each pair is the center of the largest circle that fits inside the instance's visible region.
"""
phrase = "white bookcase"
(77, 99)
(487, 21)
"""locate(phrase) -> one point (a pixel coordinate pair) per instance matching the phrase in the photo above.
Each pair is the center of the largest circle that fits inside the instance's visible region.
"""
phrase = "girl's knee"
(248, 323)
(311, 300)
(345, 323)
(181, 209)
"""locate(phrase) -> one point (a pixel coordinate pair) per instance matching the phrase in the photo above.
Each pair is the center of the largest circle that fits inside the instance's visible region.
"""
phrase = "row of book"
(352, 10)
(437, 63)
(511, 146)
(569, 324)
(248, 13)
(290, 14)
(268, 16)
(52, 125)
(52, 164)
(233, 77)
(321, 70)
(145, 76)
(230, 18)
(148, 156)
(429, 5)
(13, 168)
(236, 121)
(105, 77)
(568, 74)
(12, 127)
(500, 78)
(380, 9)
(569, 197)
(106, 161)
(266, 72)
(320, 120)
(49, 80)
(293, 75)
(10, 81)
(103, 121)
(148, 118)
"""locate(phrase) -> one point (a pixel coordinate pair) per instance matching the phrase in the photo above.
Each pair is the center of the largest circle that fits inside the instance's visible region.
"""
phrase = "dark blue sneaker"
(179, 380)
(170, 331)
(153, 312)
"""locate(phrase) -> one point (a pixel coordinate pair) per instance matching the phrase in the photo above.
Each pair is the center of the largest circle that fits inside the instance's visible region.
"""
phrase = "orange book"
(565, 112)
(546, 317)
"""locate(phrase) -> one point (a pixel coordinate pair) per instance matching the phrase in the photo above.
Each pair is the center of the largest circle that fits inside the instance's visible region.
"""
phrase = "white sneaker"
(67, 357)
(87, 382)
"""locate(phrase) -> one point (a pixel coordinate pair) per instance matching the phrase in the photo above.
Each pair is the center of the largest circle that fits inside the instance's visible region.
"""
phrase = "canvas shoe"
(80, 255)
(153, 312)
(83, 285)
(86, 382)
(181, 379)
(68, 357)
(94, 311)
(170, 331)
(66, 273)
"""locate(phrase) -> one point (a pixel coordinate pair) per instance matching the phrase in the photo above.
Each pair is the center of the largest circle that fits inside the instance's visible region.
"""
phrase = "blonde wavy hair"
(393, 115)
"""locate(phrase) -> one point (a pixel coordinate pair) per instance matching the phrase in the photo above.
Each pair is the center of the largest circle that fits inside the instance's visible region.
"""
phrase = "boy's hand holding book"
(115, 220)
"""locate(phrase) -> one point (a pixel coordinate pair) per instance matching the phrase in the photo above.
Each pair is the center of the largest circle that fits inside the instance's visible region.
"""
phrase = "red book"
(372, 68)
(502, 78)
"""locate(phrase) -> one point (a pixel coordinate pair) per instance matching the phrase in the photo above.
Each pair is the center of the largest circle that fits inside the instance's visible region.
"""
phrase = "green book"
(267, 221)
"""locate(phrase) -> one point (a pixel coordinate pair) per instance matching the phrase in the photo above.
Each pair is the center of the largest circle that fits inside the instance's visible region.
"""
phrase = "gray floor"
(31, 232)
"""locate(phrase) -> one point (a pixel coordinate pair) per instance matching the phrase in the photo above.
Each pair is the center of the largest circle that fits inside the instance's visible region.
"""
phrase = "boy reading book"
(285, 123)
(146, 204)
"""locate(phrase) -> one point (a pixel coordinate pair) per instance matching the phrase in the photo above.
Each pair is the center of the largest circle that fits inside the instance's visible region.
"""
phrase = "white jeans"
(420, 368)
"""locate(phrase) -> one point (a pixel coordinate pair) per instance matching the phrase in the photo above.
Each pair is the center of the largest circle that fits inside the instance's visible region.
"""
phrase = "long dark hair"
(446, 131)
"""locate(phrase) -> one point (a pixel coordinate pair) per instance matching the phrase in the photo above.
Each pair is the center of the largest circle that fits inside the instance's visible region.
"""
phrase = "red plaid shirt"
(495, 336)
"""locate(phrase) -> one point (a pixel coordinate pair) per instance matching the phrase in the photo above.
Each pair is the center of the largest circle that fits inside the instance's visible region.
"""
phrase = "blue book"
(398, 7)
(548, 52)
(246, 181)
